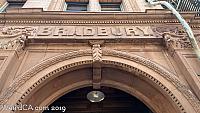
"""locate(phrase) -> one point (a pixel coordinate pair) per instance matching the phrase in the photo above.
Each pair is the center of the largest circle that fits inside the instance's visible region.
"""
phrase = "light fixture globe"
(95, 96)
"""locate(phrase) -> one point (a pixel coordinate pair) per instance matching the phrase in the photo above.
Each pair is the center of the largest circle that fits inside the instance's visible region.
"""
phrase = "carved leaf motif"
(97, 53)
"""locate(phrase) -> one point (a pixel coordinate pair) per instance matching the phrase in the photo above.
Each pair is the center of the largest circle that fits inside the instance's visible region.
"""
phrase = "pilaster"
(143, 5)
(57, 5)
(127, 6)
(94, 6)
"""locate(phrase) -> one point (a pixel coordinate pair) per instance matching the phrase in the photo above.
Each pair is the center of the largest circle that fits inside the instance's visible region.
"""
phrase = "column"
(3, 5)
(57, 5)
(126, 5)
(94, 6)
(37, 4)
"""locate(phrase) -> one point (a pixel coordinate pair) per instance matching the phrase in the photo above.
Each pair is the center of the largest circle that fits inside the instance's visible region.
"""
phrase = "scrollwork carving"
(166, 29)
(12, 32)
(14, 37)
(177, 41)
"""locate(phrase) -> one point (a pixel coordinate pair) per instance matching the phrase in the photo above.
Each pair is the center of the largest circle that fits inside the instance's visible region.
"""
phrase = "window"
(12, 5)
(109, 6)
(76, 6)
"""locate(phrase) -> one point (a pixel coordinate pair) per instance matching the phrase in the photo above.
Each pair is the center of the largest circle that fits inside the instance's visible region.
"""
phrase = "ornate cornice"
(33, 16)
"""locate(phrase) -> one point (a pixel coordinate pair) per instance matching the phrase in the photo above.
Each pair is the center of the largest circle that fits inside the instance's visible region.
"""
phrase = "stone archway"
(178, 97)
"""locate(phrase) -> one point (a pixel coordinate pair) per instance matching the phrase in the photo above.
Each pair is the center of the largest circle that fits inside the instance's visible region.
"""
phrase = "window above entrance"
(92, 5)
(76, 6)
(13, 4)
(109, 6)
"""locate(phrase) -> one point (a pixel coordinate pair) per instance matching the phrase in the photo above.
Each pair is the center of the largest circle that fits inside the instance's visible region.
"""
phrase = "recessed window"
(110, 6)
(76, 6)
(12, 5)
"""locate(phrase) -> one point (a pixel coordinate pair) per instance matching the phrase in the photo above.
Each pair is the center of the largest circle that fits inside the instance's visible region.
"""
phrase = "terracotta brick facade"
(142, 50)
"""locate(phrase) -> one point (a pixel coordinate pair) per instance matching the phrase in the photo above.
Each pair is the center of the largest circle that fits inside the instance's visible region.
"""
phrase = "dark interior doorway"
(116, 101)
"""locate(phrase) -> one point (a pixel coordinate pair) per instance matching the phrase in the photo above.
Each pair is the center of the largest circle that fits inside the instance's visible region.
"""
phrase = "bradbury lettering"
(99, 31)
(78, 32)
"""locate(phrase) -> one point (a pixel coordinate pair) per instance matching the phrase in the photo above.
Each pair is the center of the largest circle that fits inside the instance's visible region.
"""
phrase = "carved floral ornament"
(177, 41)
(175, 37)
(12, 36)
(18, 82)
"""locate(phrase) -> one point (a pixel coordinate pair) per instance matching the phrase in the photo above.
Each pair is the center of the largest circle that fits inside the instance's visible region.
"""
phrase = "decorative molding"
(18, 82)
(28, 16)
(93, 42)
(67, 22)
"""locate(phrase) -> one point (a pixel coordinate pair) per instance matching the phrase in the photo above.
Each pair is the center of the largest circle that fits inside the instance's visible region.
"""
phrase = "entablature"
(32, 16)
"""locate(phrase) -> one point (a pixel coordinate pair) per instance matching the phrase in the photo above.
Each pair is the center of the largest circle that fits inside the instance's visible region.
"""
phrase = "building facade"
(49, 48)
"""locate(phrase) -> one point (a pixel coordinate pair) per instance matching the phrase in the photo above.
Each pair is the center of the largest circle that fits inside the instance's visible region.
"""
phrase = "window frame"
(110, 6)
(76, 4)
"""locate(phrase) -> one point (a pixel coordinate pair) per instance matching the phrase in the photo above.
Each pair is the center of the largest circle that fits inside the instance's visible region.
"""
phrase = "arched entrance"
(116, 101)
(154, 86)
